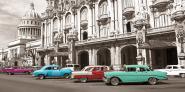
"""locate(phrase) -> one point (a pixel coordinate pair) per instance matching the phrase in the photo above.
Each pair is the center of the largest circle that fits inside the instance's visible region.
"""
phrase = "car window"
(55, 68)
(89, 69)
(49, 68)
(131, 69)
(141, 69)
(98, 69)
(182, 67)
(175, 67)
(169, 67)
(69, 65)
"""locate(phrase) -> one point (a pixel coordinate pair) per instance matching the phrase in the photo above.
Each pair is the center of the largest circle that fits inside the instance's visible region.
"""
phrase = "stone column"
(140, 25)
(112, 55)
(90, 57)
(179, 17)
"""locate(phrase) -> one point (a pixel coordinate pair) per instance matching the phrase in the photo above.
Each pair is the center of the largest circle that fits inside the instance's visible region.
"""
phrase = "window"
(89, 69)
(175, 67)
(97, 69)
(169, 67)
(49, 68)
(85, 36)
(128, 27)
(182, 67)
(142, 69)
(131, 69)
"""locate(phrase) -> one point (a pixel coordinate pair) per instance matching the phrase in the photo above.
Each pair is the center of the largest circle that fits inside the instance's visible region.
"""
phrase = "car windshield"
(87, 68)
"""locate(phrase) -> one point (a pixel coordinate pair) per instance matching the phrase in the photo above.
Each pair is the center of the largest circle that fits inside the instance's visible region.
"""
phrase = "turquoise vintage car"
(52, 71)
(134, 73)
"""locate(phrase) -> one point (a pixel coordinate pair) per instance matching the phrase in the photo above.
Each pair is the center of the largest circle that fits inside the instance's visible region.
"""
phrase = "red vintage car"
(13, 70)
(90, 73)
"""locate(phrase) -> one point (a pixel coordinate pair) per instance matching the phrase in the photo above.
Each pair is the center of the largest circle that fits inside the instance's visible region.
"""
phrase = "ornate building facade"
(113, 32)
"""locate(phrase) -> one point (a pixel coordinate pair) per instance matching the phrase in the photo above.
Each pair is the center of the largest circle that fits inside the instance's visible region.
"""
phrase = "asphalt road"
(26, 83)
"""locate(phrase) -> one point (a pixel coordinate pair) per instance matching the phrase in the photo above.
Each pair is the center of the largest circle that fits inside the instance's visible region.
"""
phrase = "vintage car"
(16, 70)
(73, 67)
(133, 74)
(90, 73)
(174, 70)
(52, 71)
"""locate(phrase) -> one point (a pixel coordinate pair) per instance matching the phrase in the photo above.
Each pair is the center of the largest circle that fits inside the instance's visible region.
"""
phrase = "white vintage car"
(174, 70)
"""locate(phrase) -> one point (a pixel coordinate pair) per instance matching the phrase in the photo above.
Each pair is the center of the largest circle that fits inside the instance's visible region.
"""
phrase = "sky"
(10, 13)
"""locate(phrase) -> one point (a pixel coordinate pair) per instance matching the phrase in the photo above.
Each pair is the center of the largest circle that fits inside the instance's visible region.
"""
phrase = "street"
(26, 83)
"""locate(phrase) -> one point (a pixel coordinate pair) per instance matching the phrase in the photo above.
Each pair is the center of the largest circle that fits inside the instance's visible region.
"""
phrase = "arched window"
(85, 35)
(128, 27)
(84, 13)
(55, 24)
(68, 19)
(103, 8)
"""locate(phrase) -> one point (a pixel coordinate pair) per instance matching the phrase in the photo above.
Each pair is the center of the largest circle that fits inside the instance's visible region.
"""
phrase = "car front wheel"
(182, 75)
(114, 81)
(152, 81)
(66, 75)
(83, 80)
(41, 77)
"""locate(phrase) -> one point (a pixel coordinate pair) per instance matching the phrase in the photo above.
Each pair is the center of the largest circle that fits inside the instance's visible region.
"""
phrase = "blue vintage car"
(52, 71)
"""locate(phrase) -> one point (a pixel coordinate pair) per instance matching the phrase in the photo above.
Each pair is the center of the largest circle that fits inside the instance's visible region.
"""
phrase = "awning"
(157, 44)
(54, 54)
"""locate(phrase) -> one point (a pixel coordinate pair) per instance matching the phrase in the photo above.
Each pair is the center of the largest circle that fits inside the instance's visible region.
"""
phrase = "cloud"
(10, 13)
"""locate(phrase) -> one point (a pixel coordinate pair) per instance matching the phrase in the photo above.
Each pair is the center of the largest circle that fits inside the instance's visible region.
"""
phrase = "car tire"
(66, 75)
(83, 80)
(114, 81)
(41, 77)
(182, 75)
(152, 81)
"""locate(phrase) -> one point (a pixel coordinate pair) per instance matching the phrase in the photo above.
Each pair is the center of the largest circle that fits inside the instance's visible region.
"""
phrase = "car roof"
(136, 66)
(51, 66)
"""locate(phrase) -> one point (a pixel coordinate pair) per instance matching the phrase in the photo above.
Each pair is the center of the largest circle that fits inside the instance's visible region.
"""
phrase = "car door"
(98, 73)
(48, 71)
(129, 75)
(142, 74)
(56, 72)
(175, 70)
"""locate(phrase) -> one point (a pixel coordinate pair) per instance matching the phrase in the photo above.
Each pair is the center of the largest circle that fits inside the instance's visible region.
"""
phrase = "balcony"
(128, 12)
(104, 19)
(84, 23)
(67, 27)
(161, 5)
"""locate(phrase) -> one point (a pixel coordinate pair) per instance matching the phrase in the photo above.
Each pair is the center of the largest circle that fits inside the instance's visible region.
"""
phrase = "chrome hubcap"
(114, 81)
(182, 75)
(152, 81)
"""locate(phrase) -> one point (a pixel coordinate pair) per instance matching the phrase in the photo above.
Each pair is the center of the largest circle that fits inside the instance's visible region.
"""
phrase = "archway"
(104, 57)
(83, 59)
(128, 55)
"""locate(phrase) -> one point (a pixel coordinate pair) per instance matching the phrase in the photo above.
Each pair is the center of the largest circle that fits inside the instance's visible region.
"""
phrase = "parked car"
(89, 73)
(14, 70)
(134, 73)
(52, 71)
(73, 67)
(174, 70)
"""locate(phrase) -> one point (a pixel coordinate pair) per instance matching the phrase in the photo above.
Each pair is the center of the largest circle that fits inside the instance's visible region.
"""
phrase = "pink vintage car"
(13, 70)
